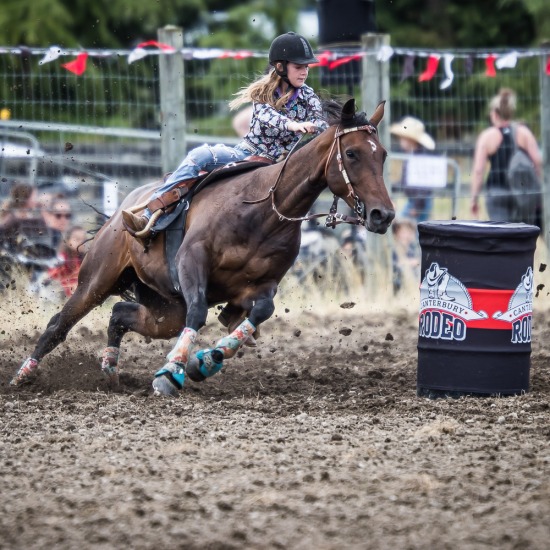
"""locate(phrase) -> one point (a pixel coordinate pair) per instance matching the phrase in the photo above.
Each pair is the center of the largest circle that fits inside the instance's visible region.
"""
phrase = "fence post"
(172, 99)
(545, 142)
(375, 87)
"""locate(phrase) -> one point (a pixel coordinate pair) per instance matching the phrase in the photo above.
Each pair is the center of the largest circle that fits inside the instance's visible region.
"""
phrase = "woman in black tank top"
(495, 145)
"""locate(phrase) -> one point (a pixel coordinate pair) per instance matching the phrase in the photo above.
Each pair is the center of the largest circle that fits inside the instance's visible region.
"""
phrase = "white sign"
(427, 171)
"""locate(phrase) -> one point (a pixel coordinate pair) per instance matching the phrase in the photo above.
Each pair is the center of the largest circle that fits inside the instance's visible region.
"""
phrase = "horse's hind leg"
(153, 317)
(78, 305)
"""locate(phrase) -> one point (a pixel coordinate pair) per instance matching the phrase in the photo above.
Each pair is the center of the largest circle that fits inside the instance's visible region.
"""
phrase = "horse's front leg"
(207, 362)
(171, 377)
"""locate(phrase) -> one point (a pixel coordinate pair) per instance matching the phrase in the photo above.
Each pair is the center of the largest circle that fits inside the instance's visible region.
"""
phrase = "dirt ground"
(314, 439)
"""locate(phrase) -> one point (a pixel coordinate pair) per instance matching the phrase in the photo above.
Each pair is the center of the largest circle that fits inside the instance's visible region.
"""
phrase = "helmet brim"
(298, 61)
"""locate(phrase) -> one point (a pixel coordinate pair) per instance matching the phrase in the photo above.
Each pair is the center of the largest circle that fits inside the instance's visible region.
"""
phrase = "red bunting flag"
(324, 59)
(78, 65)
(490, 70)
(344, 60)
(139, 52)
(548, 65)
(159, 45)
(431, 68)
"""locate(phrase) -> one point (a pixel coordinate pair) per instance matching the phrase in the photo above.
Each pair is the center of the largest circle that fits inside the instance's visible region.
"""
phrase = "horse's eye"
(351, 154)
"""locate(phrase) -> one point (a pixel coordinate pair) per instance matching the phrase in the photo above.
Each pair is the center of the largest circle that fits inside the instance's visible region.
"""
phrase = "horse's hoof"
(163, 386)
(111, 374)
(251, 342)
(27, 372)
(113, 379)
(170, 379)
(203, 364)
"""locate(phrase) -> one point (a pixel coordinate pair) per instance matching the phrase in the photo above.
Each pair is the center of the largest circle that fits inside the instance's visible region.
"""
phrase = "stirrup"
(146, 231)
(137, 208)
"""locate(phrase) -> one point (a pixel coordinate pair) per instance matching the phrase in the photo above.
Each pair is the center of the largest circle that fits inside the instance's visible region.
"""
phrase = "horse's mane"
(332, 110)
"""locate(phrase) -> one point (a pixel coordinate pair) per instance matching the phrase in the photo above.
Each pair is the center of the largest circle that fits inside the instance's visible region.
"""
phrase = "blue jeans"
(205, 157)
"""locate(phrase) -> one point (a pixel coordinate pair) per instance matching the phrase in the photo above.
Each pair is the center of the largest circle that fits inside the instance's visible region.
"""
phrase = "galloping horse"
(242, 236)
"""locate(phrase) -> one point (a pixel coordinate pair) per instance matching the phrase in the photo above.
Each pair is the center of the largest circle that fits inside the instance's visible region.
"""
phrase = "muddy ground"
(315, 439)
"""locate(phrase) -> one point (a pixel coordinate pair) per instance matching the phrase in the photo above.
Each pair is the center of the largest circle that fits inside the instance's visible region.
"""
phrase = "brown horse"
(242, 236)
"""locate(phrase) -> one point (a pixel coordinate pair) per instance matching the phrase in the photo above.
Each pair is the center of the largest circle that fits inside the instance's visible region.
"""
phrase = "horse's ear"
(378, 114)
(348, 111)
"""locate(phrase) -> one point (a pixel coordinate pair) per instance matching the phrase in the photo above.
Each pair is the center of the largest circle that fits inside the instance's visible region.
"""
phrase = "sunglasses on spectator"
(61, 215)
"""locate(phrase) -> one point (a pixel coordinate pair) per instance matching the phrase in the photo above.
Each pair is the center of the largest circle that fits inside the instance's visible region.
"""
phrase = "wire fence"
(110, 113)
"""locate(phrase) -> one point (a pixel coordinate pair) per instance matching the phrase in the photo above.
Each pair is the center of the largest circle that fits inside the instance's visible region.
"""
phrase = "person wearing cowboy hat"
(414, 140)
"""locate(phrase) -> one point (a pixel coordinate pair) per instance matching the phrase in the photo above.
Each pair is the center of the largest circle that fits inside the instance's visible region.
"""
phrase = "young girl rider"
(283, 108)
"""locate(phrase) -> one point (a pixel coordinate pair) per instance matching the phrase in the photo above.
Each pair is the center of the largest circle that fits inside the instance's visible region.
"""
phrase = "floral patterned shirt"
(269, 134)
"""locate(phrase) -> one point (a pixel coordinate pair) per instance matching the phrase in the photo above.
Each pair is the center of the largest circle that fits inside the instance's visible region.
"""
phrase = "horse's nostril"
(376, 216)
(381, 216)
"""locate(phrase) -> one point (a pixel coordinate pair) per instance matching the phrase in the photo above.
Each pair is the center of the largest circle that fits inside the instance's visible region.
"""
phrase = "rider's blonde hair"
(262, 90)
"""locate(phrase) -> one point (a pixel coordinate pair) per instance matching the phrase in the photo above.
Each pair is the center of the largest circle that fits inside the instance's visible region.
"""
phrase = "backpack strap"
(513, 133)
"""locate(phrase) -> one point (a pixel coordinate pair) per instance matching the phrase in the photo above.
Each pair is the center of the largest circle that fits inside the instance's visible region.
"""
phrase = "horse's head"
(354, 169)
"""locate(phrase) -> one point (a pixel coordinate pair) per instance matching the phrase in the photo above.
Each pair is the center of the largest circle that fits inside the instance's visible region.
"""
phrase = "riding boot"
(134, 223)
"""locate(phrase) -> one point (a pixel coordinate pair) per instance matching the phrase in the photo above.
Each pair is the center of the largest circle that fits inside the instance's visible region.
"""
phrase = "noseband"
(332, 217)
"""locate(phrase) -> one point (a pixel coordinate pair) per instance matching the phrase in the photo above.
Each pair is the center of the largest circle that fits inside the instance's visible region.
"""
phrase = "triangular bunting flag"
(139, 52)
(469, 65)
(508, 61)
(490, 70)
(51, 55)
(408, 68)
(344, 60)
(384, 53)
(78, 65)
(448, 59)
(431, 68)
(324, 59)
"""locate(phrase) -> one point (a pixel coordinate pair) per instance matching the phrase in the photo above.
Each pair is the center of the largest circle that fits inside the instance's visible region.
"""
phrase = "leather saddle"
(182, 188)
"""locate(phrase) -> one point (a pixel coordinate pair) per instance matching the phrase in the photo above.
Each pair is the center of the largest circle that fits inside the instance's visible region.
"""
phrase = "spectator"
(18, 204)
(414, 140)
(495, 145)
(25, 239)
(22, 229)
(241, 121)
(58, 216)
(62, 279)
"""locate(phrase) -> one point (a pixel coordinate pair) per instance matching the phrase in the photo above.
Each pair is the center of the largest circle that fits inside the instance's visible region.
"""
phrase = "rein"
(333, 218)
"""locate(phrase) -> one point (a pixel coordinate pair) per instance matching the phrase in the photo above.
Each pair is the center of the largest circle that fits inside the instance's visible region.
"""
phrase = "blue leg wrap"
(208, 362)
(175, 371)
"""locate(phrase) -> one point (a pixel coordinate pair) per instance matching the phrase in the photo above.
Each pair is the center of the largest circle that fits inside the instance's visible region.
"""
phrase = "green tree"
(100, 23)
(462, 24)
(123, 23)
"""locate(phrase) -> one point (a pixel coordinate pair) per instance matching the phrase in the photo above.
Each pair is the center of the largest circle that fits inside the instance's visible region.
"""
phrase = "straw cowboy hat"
(413, 128)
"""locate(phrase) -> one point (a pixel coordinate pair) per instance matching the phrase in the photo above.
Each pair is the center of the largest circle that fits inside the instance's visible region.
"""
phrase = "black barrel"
(476, 307)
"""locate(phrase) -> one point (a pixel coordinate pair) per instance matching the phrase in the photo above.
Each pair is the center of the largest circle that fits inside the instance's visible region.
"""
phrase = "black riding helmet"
(293, 48)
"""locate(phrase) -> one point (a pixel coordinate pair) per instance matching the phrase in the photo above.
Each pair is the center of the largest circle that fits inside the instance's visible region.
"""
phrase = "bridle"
(333, 217)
